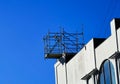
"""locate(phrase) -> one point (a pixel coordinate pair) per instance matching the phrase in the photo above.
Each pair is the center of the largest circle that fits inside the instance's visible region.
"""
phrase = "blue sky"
(23, 23)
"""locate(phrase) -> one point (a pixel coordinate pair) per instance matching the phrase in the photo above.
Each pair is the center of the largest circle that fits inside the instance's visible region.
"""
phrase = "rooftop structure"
(98, 62)
(58, 43)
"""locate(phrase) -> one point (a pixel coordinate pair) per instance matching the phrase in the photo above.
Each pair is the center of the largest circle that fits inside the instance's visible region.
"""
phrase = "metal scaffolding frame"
(57, 43)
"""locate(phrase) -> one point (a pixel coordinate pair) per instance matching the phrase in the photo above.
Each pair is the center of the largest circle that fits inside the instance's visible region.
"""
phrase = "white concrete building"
(97, 63)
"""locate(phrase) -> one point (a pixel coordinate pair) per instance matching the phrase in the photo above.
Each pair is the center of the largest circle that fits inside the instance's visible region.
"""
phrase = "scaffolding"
(57, 43)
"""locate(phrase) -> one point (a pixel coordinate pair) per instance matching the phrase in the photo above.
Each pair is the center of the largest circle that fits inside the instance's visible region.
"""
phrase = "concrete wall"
(85, 58)
(80, 65)
(60, 73)
(108, 47)
(76, 69)
(84, 61)
(105, 50)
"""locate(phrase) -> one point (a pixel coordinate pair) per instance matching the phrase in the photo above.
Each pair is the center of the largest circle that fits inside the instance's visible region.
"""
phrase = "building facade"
(98, 62)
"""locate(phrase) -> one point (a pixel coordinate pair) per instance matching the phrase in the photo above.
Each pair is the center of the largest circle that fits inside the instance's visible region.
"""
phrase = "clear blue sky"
(23, 23)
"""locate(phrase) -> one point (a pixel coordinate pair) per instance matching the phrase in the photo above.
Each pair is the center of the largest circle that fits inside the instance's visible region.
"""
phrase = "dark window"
(118, 62)
(107, 73)
(102, 78)
(119, 68)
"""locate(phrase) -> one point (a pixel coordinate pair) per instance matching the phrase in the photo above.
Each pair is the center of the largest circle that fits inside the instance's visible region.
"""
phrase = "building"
(98, 62)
